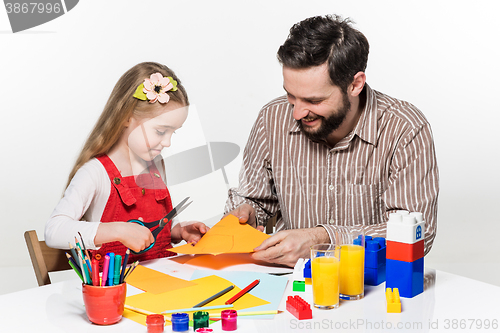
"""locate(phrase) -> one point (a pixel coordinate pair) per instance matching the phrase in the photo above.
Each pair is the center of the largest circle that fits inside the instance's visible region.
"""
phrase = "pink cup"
(104, 305)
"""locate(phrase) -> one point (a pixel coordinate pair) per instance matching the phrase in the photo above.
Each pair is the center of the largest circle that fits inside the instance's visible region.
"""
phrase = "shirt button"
(117, 181)
(157, 175)
(331, 221)
(143, 191)
(331, 187)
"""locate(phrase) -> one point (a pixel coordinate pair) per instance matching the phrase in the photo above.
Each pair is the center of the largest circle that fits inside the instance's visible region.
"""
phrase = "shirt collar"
(366, 128)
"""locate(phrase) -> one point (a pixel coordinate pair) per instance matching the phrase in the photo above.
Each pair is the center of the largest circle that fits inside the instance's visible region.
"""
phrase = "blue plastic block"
(408, 277)
(375, 252)
(307, 269)
(375, 276)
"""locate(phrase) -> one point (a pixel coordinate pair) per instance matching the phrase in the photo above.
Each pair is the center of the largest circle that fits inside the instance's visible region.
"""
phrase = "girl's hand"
(191, 231)
(134, 236)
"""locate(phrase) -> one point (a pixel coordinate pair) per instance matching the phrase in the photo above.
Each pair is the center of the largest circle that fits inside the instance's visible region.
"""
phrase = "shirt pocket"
(364, 204)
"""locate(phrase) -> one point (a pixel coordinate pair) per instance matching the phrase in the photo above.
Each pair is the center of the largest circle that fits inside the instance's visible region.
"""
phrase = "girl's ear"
(128, 122)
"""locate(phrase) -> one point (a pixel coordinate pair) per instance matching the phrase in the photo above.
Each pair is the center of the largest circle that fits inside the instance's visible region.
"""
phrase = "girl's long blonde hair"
(120, 107)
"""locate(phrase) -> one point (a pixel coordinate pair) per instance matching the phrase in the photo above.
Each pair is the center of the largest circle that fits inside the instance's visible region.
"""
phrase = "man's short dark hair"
(320, 39)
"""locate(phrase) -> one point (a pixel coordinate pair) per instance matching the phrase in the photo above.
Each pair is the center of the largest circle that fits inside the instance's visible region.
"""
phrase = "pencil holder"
(104, 305)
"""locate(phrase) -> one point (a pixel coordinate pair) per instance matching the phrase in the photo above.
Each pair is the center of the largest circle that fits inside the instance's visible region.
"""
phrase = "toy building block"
(375, 276)
(307, 272)
(408, 277)
(405, 252)
(299, 286)
(298, 307)
(375, 256)
(393, 300)
(407, 229)
(375, 252)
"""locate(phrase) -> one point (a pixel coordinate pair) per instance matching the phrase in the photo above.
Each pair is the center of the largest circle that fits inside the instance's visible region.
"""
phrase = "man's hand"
(246, 214)
(191, 232)
(287, 246)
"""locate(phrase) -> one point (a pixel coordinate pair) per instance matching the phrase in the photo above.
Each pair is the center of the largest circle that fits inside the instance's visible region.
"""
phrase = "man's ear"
(357, 85)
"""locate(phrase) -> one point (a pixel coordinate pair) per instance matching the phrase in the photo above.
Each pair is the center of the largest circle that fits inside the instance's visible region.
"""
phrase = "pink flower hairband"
(155, 88)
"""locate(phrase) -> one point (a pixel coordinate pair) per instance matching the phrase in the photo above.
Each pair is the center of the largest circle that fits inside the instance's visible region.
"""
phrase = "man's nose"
(300, 110)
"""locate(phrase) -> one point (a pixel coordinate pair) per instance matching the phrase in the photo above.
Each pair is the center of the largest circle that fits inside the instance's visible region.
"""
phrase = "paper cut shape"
(221, 261)
(155, 282)
(227, 236)
(189, 296)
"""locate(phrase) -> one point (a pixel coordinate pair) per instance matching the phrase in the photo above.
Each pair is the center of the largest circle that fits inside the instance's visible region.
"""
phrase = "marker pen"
(111, 270)
(105, 269)
(118, 265)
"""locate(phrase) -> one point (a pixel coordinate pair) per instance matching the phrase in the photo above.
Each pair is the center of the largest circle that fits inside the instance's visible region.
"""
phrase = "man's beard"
(328, 125)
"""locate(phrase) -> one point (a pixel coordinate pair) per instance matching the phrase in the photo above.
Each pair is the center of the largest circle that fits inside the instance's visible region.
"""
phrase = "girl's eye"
(160, 133)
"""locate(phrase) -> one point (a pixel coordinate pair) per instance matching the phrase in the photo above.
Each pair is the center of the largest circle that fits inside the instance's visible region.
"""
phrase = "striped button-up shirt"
(386, 163)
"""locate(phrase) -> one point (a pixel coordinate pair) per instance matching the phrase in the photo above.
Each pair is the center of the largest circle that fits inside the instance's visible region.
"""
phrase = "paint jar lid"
(155, 323)
(155, 319)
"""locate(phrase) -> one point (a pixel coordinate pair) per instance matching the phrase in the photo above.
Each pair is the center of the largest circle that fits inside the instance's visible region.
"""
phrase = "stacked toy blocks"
(375, 257)
(299, 283)
(298, 307)
(405, 253)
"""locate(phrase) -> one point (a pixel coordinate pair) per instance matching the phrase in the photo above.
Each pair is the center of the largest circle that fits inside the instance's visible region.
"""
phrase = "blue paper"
(270, 288)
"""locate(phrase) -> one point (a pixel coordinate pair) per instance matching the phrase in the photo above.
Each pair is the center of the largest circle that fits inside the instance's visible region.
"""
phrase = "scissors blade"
(174, 212)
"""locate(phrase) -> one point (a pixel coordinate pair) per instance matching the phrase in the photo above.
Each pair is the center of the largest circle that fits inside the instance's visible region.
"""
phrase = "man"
(332, 154)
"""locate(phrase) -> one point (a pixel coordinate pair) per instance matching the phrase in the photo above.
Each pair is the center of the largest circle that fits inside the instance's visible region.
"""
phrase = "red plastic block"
(404, 252)
(298, 307)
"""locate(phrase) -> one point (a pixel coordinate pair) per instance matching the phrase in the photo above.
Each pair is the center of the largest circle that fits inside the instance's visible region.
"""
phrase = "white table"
(449, 303)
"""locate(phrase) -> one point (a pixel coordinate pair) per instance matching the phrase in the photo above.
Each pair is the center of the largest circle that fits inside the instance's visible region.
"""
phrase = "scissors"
(161, 223)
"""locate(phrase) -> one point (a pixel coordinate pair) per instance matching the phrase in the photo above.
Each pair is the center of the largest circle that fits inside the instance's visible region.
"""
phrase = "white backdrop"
(441, 56)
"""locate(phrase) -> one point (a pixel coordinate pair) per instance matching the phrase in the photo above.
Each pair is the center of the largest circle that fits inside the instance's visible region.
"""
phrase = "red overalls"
(145, 196)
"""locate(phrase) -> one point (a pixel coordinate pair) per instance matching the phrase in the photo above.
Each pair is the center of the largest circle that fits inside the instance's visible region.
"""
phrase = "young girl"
(119, 174)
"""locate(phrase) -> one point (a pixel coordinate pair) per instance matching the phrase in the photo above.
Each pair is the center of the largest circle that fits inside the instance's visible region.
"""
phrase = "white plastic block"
(405, 228)
(298, 270)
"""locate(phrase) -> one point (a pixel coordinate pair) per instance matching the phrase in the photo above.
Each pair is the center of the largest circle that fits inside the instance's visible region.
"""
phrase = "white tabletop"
(449, 303)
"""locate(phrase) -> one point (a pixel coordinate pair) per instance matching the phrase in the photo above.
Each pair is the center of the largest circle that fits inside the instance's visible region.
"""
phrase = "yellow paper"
(190, 296)
(227, 236)
(155, 282)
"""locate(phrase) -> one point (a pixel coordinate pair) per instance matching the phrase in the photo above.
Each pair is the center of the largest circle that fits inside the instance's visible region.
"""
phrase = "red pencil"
(242, 292)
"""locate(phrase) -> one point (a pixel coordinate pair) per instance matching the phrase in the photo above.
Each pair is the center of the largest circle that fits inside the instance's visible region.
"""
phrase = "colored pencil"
(73, 253)
(249, 313)
(211, 298)
(76, 269)
(243, 292)
(144, 312)
(82, 266)
(83, 243)
(124, 266)
(131, 268)
(214, 307)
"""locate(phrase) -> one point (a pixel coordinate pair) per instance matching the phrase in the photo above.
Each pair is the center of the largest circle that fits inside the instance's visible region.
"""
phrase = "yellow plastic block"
(393, 300)
(308, 281)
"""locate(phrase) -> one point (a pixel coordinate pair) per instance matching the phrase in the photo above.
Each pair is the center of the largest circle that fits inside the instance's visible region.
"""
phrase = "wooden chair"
(44, 259)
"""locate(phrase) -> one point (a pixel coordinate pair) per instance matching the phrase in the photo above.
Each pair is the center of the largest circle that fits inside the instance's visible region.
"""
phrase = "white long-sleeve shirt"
(81, 208)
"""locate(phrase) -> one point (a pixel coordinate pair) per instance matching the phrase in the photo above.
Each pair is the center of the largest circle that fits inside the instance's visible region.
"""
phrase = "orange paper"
(227, 236)
(155, 282)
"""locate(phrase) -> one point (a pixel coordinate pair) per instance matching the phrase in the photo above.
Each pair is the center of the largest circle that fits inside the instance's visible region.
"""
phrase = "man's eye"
(315, 102)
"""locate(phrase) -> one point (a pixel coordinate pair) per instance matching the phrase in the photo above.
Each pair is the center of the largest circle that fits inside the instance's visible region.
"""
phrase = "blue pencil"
(211, 298)
(124, 266)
